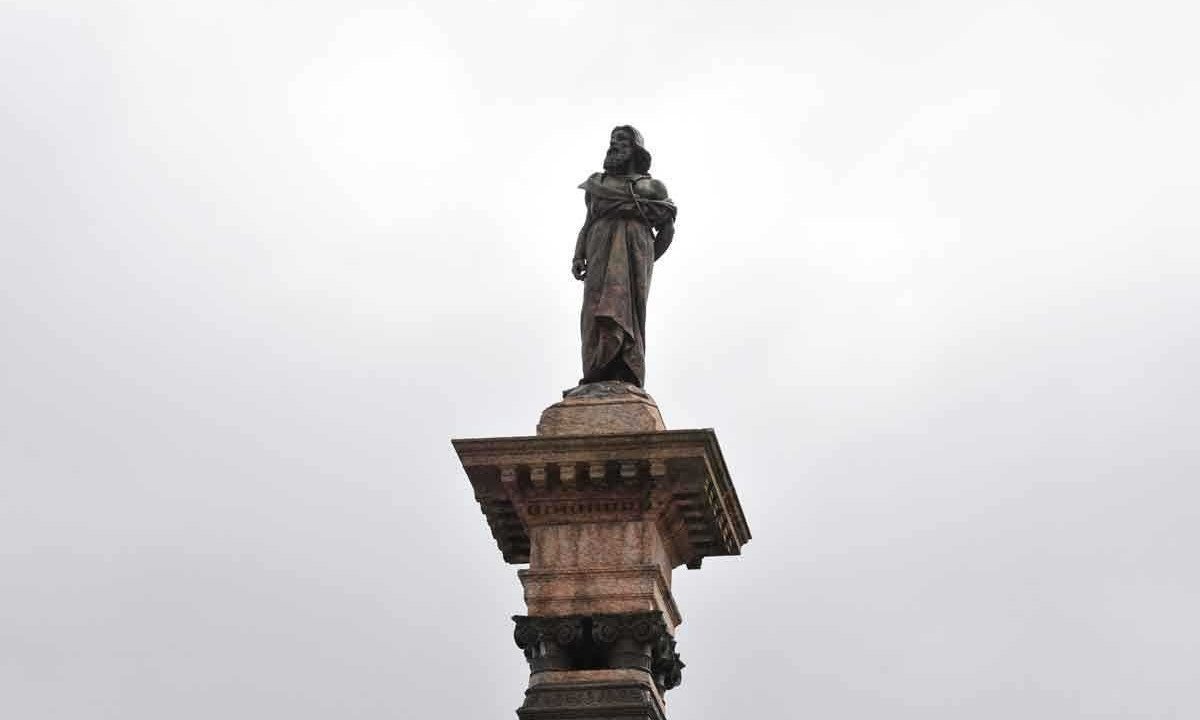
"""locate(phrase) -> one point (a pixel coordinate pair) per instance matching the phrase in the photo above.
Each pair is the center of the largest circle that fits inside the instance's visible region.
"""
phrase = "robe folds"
(618, 242)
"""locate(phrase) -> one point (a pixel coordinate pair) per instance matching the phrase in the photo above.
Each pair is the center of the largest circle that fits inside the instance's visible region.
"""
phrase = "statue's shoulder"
(651, 188)
(593, 179)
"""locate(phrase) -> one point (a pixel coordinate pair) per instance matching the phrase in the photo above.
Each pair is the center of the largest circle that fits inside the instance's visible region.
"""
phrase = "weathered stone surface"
(602, 408)
(599, 567)
(620, 543)
(639, 588)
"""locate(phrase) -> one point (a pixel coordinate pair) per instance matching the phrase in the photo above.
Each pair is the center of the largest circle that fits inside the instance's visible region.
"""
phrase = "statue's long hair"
(641, 161)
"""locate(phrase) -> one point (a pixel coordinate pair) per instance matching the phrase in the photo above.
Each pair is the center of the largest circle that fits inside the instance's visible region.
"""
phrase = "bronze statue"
(630, 223)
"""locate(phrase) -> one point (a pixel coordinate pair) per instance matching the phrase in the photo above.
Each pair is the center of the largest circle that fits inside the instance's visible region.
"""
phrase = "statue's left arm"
(662, 240)
(656, 190)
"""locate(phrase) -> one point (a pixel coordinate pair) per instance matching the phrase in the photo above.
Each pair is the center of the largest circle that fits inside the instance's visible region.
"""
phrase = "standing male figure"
(630, 223)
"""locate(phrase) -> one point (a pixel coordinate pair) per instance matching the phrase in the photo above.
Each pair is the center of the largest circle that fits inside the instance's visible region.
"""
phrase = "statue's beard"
(617, 160)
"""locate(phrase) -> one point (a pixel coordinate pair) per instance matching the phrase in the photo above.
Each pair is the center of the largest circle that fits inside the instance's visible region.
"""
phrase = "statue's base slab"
(602, 408)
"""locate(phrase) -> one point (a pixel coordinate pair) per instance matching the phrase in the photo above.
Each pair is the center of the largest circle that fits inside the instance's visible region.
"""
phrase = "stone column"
(603, 503)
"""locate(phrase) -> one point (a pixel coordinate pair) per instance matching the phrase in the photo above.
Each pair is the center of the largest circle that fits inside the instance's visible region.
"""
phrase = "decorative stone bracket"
(637, 641)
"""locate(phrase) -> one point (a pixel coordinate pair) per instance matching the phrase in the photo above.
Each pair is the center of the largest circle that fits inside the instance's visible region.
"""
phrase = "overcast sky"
(935, 285)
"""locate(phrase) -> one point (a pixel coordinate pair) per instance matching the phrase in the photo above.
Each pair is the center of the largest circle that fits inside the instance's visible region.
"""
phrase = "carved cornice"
(676, 477)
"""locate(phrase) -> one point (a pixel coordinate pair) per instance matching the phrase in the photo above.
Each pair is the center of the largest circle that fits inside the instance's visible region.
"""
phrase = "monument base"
(603, 503)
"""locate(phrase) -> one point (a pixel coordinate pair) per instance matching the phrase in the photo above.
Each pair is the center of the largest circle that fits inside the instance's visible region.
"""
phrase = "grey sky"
(934, 284)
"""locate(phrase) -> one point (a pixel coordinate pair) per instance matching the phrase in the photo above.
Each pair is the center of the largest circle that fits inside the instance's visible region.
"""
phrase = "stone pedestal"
(603, 504)
(602, 408)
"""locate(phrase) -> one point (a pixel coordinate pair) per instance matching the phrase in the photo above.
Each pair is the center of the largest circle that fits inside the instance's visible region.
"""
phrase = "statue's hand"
(579, 268)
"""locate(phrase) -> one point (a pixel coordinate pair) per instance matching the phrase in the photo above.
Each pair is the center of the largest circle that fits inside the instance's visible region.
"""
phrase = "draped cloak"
(619, 246)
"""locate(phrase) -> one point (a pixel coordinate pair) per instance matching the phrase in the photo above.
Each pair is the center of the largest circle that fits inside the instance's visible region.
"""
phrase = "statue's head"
(625, 151)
